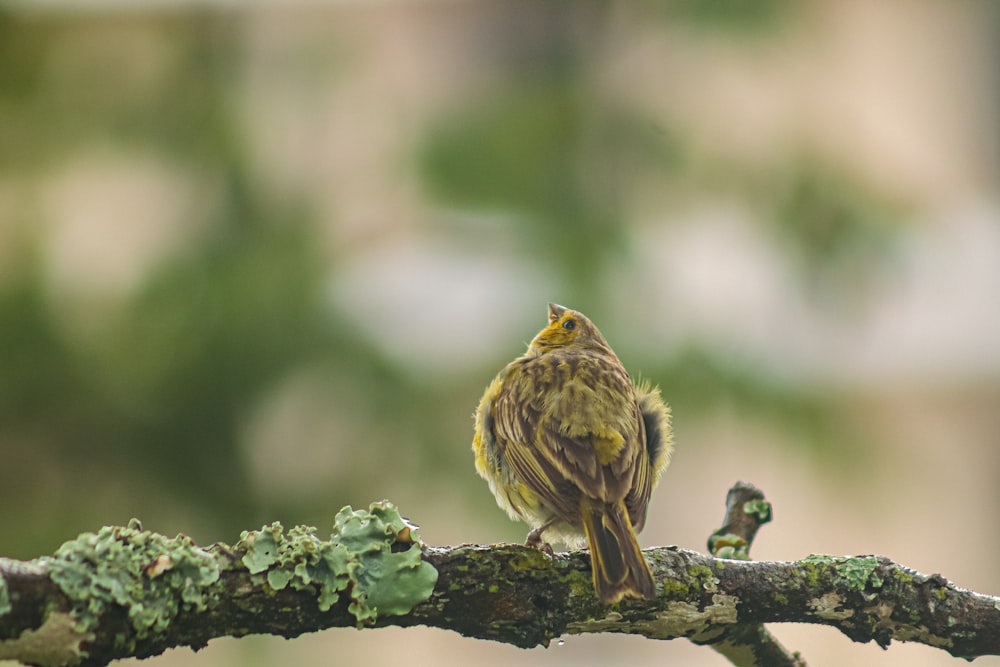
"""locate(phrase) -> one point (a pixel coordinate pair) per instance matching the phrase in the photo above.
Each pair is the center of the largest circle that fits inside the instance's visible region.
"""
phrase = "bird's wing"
(658, 443)
(571, 427)
(515, 422)
(637, 498)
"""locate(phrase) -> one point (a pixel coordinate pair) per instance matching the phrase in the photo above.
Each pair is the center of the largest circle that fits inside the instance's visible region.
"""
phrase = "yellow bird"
(569, 444)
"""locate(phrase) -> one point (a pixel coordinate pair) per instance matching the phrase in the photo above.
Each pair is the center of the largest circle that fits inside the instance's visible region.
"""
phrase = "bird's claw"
(535, 541)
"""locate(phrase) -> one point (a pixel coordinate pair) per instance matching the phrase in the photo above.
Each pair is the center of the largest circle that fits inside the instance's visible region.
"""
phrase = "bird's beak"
(555, 311)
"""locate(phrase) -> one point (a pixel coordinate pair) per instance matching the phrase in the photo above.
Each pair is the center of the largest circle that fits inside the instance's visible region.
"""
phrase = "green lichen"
(300, 560)
(733, 553)
(705, 577)
(813, 564)
(941, 593)
(858, 573)
(699, 571)
(526, 560)
(759, 508)
(781, 598)
(279, 579)
(261, 547)
(362, 559)
(728, 545)
(902, 576)
(152, 576)
(580, 585)
(820, 559)
(675, 590)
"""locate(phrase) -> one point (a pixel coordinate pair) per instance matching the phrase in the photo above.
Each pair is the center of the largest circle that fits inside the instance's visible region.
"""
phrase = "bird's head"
(567, 328)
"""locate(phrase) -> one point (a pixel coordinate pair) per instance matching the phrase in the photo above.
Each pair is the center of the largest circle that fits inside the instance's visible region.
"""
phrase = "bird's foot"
(535, 541)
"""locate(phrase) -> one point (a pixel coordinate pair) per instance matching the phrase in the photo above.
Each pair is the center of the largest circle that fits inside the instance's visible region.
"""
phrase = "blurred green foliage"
(702, 382)
(744, 17)
(158, 82)
(156, 403)
(839, 229)
(541, 152)
(147, 418)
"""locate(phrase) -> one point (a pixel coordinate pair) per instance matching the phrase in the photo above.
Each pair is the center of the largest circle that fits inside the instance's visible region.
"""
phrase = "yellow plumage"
(569, 444)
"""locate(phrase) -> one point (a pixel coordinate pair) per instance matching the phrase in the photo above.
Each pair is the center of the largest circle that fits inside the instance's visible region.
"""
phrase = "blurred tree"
(839, 229)
(547, 145)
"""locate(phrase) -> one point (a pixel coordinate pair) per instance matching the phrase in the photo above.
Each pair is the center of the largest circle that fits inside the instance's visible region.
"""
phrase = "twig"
(750, 644)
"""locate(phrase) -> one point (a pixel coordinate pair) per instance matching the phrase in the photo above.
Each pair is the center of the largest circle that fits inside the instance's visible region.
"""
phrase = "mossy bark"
(519, 596)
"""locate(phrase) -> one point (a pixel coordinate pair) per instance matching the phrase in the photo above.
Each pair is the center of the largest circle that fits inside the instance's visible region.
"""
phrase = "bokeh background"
(258, 262)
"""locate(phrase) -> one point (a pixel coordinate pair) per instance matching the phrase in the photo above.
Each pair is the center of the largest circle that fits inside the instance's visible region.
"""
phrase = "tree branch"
(746, 644)
(78, 608)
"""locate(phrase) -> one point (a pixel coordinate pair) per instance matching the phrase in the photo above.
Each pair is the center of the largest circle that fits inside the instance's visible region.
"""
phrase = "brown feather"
(618, 566)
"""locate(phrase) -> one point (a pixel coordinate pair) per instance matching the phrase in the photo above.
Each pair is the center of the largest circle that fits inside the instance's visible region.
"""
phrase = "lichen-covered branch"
(745, 644)
(128, 592)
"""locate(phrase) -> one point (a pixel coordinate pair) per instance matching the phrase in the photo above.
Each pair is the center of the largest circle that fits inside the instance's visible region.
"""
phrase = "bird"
(571, 445)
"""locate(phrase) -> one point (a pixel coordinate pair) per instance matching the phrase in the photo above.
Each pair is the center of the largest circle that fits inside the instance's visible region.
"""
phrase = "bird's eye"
(569, 325)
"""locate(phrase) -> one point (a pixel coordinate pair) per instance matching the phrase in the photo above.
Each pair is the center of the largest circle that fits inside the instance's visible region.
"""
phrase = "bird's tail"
(619, 568)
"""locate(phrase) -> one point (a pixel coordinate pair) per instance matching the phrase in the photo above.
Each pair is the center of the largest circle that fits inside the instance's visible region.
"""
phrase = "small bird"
(570, 445)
